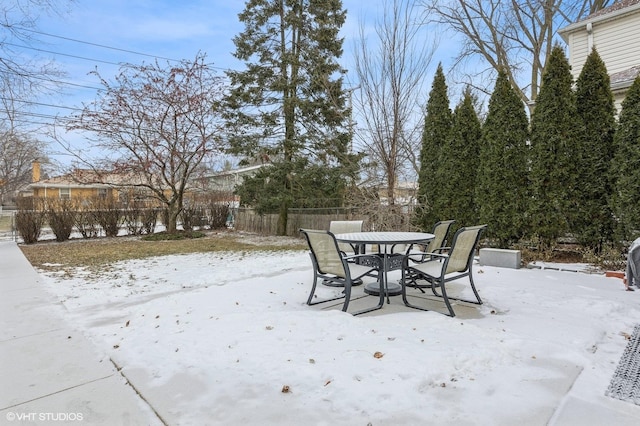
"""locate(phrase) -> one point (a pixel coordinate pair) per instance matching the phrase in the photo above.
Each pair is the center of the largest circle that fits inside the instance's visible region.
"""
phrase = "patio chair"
(343, 227)
(457, 263)
(331, 265)
(424, 253)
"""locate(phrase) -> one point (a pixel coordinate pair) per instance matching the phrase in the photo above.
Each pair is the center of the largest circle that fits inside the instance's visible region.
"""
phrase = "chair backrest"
(440, 230)
(325, 252)
(463, 248)
(343, 227)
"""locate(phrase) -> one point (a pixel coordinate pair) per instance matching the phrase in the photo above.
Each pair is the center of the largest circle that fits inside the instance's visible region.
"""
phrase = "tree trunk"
(282, 218)
(172, 216)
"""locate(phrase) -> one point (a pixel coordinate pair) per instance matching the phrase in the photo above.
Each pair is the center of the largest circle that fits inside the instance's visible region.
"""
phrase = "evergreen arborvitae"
(556, 130)
(594, 100)
(502, 189)
(289, 107)
(626, 166)
(437, 125)
(456, 172)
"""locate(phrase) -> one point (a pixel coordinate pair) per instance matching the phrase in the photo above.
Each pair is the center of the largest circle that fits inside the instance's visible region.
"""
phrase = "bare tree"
(18, 149)
(157, 125)
(17, 153)
(391, 72)
(22, 77)
(515, 35)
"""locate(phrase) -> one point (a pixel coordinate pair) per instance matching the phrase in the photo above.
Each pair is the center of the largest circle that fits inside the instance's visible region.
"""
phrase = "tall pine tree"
(626, 166)
(502, 189)
(556, 130)
(456, 172)
(594, 223)
(289, 107)
(437, 126)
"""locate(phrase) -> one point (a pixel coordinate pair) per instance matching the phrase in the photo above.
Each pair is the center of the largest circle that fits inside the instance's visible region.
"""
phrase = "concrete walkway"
(49, 372)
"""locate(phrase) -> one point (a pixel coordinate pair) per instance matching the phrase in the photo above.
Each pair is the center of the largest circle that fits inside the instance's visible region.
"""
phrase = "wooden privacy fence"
(246, 219)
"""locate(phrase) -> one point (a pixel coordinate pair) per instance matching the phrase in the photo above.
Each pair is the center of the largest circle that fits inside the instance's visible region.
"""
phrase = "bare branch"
(391, 74)
(156, 124)
(515, 36)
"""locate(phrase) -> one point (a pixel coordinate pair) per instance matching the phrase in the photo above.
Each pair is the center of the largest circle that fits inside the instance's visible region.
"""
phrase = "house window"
(65, 193)
(123, 197)
(102, 193)
(141, 194)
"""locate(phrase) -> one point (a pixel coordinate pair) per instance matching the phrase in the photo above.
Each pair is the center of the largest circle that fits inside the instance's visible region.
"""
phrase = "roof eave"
(564, 32)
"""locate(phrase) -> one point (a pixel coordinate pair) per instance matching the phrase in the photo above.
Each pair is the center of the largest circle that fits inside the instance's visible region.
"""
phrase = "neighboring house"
(226, 181)
(84, 184)
(615, 33)
(405, 194)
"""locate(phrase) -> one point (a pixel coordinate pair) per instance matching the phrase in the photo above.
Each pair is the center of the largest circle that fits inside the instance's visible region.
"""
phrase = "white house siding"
(617, 41)
(618, 97)
(615, 33)
(578, 52)
(228, 180)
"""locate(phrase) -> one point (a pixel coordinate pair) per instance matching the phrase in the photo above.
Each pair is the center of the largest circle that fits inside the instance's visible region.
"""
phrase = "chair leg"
(444, 296)
(404, 293)
(313, 290)
(473, 287)
(380, 301)
(413, 283)
(434, 284)
(347, 295)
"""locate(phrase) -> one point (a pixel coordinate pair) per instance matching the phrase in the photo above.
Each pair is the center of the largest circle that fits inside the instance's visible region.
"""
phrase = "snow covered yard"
(227, 339)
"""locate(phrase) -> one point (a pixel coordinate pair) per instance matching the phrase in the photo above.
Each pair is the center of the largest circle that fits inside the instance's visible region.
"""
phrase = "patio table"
(383, 240)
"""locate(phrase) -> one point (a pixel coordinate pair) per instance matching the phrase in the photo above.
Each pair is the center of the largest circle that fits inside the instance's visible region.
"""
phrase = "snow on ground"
(227, 338)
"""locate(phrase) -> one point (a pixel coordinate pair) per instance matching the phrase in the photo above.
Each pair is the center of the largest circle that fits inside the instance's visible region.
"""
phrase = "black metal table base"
(373, 289)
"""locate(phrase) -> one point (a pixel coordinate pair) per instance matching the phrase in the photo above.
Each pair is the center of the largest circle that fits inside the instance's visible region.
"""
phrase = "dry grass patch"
(99, 253)
(5, 223)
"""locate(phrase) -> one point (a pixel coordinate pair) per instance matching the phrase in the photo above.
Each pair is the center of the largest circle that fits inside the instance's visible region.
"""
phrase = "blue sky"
(160, 28)
(112, 30)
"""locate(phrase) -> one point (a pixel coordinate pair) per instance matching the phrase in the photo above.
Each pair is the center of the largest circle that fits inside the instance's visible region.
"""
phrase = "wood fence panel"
(248, 220)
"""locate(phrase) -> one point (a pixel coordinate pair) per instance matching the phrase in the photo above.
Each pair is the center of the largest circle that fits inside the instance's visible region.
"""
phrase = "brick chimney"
(35, 171)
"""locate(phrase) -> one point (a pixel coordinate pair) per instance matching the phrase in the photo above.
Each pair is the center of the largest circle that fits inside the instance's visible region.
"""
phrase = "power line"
(51, 80)
(61, 54)
(97, 45)
(101, 46)
(40, 104)
(42, 115)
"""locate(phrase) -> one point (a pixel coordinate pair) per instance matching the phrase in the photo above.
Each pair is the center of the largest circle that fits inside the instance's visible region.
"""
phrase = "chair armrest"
(443, 256)
(422, 257)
